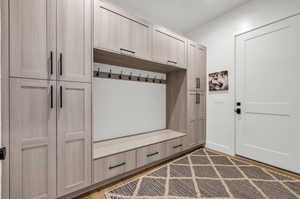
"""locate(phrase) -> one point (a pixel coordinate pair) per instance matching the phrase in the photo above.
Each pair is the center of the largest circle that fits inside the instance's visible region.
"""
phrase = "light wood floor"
(99, 194)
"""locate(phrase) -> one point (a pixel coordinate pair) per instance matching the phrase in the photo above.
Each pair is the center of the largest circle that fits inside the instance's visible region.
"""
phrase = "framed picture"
(218, 81)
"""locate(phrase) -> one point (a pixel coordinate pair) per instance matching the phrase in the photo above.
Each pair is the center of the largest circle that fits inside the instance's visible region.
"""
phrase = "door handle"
(238, 111)
(152, 154)
(51, 63)
(116, 166)
(197, 98)
(51, 97)
(130, 51)
(61, 97)
(172, 62)
(61, 64)
(198, 83)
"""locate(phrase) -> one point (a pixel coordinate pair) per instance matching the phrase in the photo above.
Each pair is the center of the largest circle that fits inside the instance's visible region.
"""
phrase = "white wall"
(219, 37)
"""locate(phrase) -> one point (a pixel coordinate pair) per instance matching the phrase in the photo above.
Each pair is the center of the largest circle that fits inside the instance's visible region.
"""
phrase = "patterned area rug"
(204, 174)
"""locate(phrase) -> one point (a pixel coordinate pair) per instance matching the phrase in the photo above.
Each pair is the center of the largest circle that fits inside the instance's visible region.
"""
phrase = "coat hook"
(109, 74)
(98, 72)
(154, 79)
(130, 76)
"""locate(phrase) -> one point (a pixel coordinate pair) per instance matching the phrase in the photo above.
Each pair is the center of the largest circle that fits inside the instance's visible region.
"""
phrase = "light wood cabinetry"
(33, 139)
(117, 31)
(111, 166)
(74, 40)
(196, 67)
(175, 146)
(74, 136)
(196, 118)
(33, 39)
(35, 29)
(169, 48)
(149, 154)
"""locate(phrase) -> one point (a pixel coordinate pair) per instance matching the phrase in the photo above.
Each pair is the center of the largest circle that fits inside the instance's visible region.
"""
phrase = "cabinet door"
(74, 40)
(196, 67)
(33, 39)
(176, 52)
(160, 46)
(141, 40)
(74, 136)
(169, 48)
(196, 119)
(33, 139)
(106, 28)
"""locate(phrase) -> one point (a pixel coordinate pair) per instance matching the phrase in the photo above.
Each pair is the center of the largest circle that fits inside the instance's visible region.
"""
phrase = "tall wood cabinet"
(50, 94)
(196, 94)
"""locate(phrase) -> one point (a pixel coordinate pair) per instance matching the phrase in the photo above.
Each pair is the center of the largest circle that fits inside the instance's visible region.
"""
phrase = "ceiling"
(179, 15)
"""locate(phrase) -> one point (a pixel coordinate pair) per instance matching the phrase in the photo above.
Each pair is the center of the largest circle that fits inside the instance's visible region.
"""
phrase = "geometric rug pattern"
(205, 174)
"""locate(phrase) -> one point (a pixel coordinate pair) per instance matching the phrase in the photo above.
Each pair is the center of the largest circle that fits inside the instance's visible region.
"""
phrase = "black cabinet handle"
(177, 146)
(51, 63)
(61, 97)
(197, 98)
(152, 154)
(116, 166)
(130, 51)
(198, 83)
(51, 96)
(61, 64)
(172, 62)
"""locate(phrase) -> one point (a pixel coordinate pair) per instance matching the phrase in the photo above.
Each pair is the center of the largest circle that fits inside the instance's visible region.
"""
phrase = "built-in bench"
(121, 155)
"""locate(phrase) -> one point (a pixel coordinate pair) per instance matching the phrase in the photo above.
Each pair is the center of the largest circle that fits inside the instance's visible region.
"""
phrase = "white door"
(268, 71)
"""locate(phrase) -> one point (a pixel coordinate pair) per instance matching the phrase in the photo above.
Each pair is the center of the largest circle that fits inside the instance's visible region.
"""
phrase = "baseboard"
(220, 147)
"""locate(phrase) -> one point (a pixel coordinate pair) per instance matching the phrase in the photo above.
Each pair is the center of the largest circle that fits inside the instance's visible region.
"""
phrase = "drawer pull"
(152, 154)
(130, 51)
(177, 146)
(116, 166)
(172, 62)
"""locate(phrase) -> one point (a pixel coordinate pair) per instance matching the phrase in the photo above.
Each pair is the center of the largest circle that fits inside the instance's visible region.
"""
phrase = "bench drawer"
(175, 146)
(111, 166)
(151, 154)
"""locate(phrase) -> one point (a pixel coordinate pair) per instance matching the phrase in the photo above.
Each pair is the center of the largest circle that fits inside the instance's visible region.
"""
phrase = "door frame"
(236, 123)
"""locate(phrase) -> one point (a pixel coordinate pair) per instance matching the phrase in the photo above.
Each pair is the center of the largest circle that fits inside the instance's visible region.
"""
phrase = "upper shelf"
(108, 57)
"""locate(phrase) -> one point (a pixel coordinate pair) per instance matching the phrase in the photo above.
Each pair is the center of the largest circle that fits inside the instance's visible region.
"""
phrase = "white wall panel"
(123, 107)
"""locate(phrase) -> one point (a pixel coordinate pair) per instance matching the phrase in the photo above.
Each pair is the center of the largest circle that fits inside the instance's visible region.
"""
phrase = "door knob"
(238, 111)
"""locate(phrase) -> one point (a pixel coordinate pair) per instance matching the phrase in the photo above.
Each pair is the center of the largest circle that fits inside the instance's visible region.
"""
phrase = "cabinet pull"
(152, 154)
(197, 98)
(172, 62)
(130, 51)
(51, 63)
(177, 146)
(51, 96)
(61, 64)
(116, 166)
(198, 83)
(61, 97)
